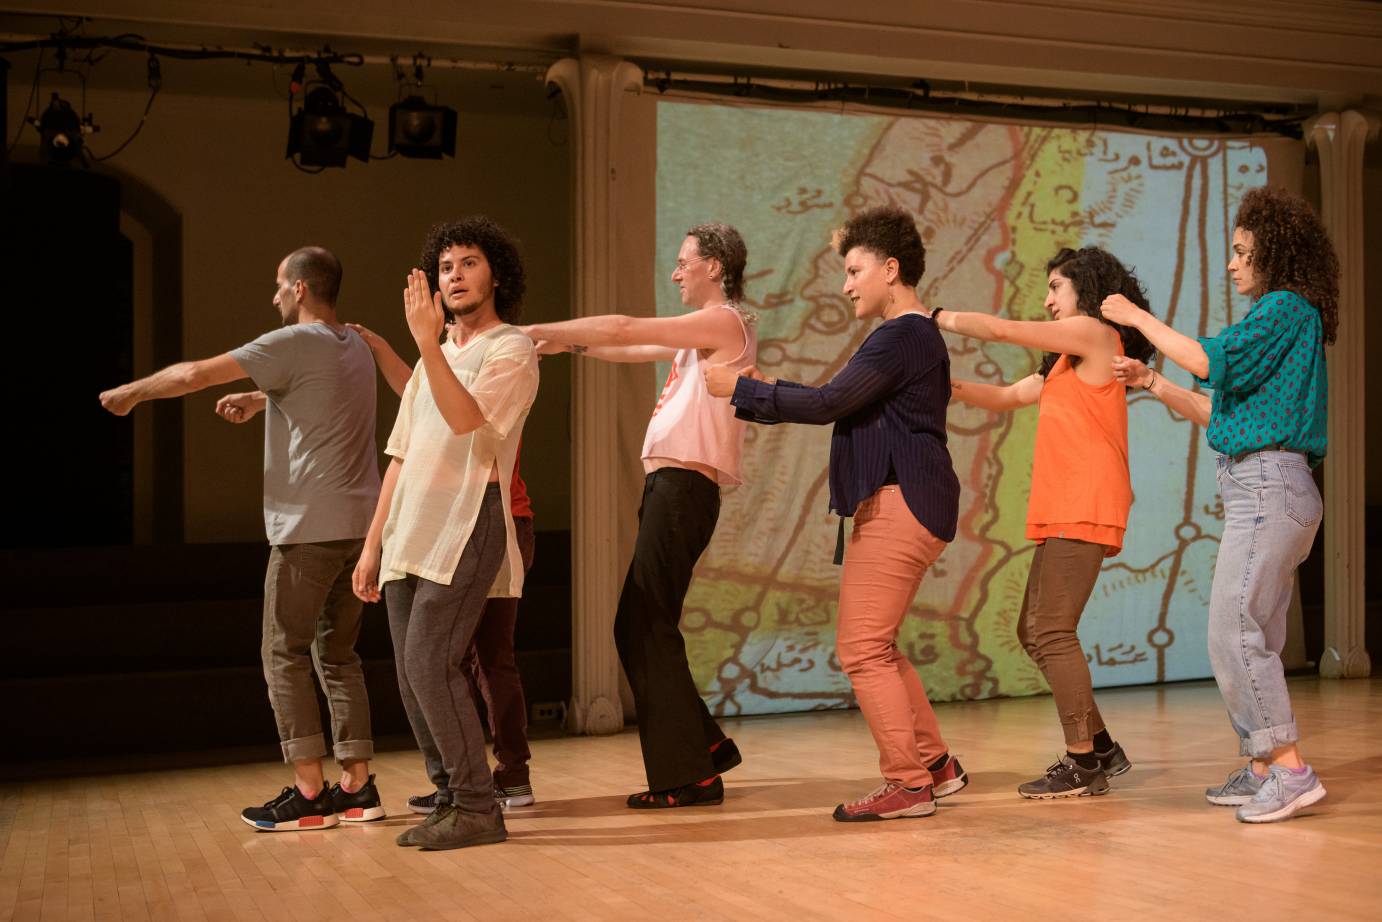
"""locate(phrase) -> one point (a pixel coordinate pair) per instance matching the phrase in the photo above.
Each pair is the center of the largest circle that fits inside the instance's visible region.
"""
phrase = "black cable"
(33, 98)
(155, 84)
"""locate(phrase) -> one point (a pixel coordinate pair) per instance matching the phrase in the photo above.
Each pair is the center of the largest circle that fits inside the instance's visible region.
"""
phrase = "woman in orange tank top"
(1081, 488)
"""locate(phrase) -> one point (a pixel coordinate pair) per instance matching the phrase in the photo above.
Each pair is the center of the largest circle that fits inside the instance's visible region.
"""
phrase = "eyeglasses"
(684, 264)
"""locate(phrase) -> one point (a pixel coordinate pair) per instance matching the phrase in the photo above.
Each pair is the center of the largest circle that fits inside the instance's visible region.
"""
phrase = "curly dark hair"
(723, 242)
(888, 232)
(1291, 251)
(501, 252)
(1096, 273)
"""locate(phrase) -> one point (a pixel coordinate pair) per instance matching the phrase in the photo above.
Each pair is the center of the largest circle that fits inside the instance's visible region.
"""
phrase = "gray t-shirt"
(321, 467)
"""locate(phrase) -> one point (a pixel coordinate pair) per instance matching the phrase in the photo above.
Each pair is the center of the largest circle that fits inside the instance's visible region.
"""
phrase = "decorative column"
(594, 87)
(1340, 139)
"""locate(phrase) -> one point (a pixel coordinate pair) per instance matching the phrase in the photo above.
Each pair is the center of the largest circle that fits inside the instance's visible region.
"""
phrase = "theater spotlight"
(60, 132)
(322, 133)
(419, 129)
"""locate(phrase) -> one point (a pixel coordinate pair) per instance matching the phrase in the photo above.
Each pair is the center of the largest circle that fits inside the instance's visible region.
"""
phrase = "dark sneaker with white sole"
(1066, 778)
(1114, 761)
(520, 795)
(424, 803)
(291, 811)
(949, 778)
(362, 806)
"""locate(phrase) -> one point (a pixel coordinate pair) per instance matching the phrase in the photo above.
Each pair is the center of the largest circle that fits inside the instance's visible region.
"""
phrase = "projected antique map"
(994, 203)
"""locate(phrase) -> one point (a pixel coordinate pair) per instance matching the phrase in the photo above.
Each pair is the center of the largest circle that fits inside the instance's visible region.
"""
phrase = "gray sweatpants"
(432, 626)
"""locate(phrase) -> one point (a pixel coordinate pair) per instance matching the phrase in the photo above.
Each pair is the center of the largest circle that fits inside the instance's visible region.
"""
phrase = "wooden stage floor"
(171, 845)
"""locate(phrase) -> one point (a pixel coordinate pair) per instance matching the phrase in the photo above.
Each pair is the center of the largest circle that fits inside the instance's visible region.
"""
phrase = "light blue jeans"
(1272, 511)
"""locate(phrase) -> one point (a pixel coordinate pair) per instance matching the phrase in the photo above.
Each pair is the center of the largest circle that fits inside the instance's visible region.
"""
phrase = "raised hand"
(239, 408)
(1131, 372)
(423, 310)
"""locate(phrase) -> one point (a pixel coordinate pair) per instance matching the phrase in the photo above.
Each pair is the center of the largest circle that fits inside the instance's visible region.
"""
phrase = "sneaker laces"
(283, 797)
(873, 795)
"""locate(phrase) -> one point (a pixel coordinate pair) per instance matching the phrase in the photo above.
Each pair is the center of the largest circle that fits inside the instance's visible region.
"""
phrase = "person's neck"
(905, 301)
(467, 327)
(317, 313)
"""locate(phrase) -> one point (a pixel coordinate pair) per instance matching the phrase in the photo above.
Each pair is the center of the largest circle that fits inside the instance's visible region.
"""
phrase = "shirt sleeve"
(269, 360)
(871, 374)
(1242, 357)
(506, 384)
(397, 446)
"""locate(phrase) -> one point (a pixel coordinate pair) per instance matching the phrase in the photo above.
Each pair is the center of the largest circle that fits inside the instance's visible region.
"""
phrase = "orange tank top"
(1081, 486)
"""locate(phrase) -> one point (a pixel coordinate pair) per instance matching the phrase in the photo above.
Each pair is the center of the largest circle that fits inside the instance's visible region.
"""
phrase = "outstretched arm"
(396, 372)
(173, 381)
(626, 354)
(700, 329)
(1194, 406)
(1081, 336)
(1176, 346)
(1000, 398)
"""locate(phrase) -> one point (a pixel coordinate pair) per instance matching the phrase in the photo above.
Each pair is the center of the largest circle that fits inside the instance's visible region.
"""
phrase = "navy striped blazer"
(888, 406)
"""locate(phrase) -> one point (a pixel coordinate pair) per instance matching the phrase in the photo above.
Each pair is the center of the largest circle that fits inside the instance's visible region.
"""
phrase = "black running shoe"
(1066, 779)
(290, 811)
(424, 803)
(1114, 761)
(362, 806)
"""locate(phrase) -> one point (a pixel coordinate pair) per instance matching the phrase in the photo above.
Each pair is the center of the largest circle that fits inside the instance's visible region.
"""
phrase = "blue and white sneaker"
(1240, 788)
(1283, 794)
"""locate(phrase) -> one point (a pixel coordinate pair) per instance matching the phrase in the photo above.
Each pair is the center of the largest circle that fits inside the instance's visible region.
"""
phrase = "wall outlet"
(547, 710)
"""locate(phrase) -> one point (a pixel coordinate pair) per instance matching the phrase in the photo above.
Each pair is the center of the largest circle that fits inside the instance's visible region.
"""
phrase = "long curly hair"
(501, 252)
(1096, 274)
(1291, 251)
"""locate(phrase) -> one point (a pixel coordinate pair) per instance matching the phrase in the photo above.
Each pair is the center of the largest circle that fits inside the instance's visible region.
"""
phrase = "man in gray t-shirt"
(321, 484)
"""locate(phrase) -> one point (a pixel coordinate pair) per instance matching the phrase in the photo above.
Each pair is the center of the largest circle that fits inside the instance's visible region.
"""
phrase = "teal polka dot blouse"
(1268, 376)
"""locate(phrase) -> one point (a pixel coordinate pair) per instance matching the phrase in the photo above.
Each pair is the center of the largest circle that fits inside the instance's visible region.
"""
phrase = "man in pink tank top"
(693, 445)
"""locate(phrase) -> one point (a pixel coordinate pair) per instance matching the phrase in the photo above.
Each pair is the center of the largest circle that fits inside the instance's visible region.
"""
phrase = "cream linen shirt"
(443, 479)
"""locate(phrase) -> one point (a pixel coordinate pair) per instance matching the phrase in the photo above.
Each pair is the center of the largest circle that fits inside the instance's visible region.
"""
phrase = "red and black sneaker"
(700, 794)
(890, 802)
(948, 777)
(362, 806)
(291, 811)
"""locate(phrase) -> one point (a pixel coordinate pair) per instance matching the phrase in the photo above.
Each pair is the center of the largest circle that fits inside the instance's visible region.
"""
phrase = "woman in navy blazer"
(890, 470)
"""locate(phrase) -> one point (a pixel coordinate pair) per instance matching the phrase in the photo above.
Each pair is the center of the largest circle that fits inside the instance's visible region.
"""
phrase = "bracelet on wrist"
(1151, 382)
(577, 349)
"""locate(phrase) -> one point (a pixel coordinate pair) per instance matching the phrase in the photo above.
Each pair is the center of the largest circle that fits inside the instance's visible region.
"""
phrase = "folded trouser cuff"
(305, 747)
(1259, 744)
(351, 750)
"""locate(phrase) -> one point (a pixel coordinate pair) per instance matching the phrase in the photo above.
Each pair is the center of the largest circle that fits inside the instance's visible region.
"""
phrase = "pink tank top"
(692, 427)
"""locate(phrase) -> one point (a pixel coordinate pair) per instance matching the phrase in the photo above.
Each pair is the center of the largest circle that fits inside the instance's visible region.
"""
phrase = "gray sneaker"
(1237, 790)
(451, 827)
(1282, 796)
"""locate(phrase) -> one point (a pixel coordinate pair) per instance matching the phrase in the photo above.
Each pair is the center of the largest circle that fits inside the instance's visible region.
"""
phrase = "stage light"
(419, 129)
(322, 133)
(60, 132)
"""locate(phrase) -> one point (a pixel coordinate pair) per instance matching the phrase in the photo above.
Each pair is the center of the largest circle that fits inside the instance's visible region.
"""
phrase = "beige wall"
(213, 147)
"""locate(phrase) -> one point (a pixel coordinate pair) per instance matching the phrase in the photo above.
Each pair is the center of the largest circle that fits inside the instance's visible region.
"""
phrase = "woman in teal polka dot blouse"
(1268, 421)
